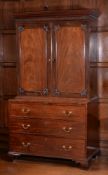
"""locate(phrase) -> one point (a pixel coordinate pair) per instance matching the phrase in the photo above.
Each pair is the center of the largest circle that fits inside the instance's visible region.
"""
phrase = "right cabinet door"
(70, 55)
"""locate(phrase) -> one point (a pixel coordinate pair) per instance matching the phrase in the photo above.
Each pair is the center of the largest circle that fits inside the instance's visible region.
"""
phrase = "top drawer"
(31, 110)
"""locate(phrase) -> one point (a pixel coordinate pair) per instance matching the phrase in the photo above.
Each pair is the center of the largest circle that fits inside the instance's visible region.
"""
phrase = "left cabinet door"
(33, 51)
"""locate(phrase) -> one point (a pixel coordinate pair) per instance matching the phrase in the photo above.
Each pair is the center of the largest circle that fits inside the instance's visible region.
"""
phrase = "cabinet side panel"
(93, 125)
(93, 55)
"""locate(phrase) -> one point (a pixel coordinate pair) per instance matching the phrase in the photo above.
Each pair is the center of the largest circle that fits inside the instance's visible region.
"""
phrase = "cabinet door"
(69, 64)
(33, 60)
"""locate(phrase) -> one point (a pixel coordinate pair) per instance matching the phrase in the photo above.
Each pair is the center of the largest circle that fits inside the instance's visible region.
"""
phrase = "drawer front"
(48, 146)
(32, 110)
(57, 128)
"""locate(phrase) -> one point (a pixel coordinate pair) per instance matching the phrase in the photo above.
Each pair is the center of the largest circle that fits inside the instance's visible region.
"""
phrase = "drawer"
(59, 128)
(48, 146)
(32, 110)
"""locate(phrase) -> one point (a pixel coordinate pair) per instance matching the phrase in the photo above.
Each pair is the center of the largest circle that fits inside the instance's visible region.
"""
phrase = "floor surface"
(39, 166)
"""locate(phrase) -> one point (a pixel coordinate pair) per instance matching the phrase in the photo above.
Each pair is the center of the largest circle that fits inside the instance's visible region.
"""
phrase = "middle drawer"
(59, 128)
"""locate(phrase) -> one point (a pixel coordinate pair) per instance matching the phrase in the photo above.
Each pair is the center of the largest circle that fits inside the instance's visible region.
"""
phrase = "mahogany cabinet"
(55, 113)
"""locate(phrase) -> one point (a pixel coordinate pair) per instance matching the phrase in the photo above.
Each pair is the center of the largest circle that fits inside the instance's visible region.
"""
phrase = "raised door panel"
(33, 5)
(9, 46)
(103, 46)
(9, 81)
(9, 10)
(33, 60)
(103, 82)
(70, 60)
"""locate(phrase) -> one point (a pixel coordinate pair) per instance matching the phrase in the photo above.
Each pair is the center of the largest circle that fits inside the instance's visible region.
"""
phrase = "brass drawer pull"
(26, 110)
(67, 148)
(26, 126)
(67, 129)
(67, 113)
(26, 144)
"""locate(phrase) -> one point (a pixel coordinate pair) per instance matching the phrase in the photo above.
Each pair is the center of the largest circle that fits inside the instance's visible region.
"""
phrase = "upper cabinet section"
(54, 52)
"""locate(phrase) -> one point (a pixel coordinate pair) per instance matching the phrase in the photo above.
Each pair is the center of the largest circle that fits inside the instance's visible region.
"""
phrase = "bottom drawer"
(48, 146)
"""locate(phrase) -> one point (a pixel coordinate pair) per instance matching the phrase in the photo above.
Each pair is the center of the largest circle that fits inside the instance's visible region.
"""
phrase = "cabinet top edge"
(91, 13)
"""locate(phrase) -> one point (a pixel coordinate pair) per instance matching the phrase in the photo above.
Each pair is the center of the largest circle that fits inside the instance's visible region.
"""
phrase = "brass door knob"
(26, 110)
(67, 129)
(25, 126)
(67, 148)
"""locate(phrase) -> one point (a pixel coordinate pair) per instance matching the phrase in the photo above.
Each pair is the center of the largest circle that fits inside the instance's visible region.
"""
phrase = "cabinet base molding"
(14, 153)
(83, 164)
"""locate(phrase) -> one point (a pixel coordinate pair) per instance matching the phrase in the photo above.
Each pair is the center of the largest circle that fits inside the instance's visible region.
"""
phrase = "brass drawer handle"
(25, 110)
(67, 113)
(26, 126)
(26, 144)
(67, 129)
(67, 148)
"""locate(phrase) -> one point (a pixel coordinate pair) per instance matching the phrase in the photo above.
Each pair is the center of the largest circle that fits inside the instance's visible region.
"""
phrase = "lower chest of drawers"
(48, 130)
